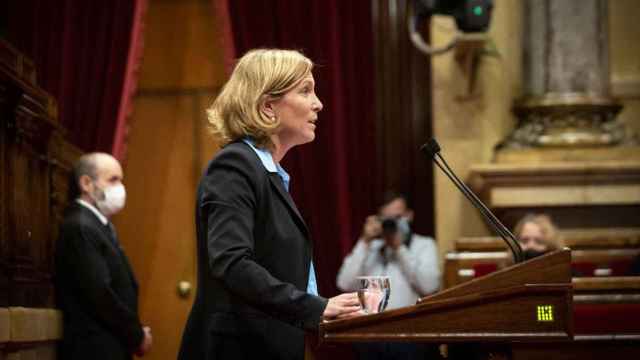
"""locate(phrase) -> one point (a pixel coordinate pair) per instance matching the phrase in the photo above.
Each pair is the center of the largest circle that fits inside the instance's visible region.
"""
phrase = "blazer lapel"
(107, 235)
(276, 182)
(123, 257)
(132, 276)
(99, 225)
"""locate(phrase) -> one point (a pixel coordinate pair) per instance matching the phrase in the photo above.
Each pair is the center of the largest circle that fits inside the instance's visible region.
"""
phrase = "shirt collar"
(95, 211)
(267, 161)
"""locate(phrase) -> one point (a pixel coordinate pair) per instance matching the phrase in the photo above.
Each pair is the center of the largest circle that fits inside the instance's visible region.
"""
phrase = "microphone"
(431, 149)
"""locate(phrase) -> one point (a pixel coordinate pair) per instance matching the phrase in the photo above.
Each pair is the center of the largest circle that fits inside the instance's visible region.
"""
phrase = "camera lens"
(389, 226)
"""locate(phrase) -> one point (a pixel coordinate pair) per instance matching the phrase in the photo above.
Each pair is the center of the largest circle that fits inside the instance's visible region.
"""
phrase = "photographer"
(388, 247)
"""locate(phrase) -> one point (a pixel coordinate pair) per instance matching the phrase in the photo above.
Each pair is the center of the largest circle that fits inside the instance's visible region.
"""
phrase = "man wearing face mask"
(388, 247)
(95, 285)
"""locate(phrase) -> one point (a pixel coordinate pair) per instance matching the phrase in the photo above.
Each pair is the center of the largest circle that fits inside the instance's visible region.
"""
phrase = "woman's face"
(532, 238)
(298, 111)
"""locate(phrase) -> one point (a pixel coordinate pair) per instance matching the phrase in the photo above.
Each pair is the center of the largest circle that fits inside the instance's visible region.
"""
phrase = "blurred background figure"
(537, 235)
(97, 288)
(388, 246)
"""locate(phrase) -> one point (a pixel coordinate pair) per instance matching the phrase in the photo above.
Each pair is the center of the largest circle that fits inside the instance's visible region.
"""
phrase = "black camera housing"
(389, 226)
(470, 15)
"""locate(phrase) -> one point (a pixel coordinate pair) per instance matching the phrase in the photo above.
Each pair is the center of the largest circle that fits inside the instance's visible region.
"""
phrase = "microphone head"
(430, 148)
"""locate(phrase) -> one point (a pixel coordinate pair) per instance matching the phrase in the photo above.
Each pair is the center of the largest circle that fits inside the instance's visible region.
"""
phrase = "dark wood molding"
(403, 111)
(36, 158)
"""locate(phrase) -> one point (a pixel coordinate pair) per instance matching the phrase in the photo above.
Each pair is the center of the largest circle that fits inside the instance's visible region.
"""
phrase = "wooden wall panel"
(168, 147)
(28, 128)
(178, 46)
(156, 227)
(35, 155)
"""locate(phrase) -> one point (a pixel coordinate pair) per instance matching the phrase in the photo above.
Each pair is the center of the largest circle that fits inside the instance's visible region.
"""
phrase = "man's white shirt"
(413, 271)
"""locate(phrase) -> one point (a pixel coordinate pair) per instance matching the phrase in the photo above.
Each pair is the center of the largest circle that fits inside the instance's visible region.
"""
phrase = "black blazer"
(96, 291)
(254, 253)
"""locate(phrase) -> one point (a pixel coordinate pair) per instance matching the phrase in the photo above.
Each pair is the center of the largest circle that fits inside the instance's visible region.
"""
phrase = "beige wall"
(168, 147)
(468, 129)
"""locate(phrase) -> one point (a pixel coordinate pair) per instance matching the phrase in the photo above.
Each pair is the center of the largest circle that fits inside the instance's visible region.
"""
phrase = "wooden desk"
(606, 323)
(530, 302)
(483, 318)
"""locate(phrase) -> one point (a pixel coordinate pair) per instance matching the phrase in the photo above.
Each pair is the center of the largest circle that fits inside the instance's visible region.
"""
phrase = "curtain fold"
(81, 50)
(130, 81)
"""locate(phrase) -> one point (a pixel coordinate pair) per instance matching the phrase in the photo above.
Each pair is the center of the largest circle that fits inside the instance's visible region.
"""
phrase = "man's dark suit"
(96, 290)
(254, 253)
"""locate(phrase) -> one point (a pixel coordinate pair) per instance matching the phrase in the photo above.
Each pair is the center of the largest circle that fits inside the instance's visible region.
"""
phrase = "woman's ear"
(268, 107)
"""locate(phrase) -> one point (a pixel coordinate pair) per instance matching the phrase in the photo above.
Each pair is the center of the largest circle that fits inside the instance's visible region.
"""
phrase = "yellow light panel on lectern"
(545, 312)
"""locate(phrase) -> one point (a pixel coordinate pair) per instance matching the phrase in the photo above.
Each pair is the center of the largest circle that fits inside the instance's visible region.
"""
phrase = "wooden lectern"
(530, 302)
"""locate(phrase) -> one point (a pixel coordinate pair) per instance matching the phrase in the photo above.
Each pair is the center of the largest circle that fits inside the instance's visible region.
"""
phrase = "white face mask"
(403, 226)
(111, 200)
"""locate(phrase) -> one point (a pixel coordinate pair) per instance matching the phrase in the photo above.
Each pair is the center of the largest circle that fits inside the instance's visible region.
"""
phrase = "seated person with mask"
(537, 235)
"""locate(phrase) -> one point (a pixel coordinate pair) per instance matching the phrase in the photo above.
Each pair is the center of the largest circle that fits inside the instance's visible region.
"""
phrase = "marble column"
(566, 100)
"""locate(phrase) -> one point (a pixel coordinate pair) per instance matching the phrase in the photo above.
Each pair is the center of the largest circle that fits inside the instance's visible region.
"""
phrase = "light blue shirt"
(273, 167)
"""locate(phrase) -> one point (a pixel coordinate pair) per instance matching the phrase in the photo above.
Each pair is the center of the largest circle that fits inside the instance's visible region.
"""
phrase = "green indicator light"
(477, 10)
(545, 312)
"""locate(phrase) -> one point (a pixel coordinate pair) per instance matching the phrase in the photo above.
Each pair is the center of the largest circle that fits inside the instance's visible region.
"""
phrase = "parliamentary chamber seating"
(596, 210)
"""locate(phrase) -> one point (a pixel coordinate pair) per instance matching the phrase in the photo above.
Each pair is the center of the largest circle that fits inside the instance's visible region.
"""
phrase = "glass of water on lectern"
(373, 293)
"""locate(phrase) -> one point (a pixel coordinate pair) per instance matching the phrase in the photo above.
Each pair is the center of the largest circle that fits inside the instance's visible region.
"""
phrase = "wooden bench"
(596, 252)
(606, 305)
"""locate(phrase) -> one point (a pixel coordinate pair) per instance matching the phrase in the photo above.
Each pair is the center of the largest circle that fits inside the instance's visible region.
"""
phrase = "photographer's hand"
(372, 229)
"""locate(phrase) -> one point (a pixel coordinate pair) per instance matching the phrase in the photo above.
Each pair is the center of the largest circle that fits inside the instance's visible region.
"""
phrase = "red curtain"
(130, 80)
(81, 52)
(334, 181)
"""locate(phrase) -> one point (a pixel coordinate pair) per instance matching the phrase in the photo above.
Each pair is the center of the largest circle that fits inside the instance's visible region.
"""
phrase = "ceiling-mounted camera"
(471, 16)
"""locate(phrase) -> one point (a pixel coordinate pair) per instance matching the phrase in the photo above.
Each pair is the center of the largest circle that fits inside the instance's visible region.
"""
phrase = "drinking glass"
(373, 293)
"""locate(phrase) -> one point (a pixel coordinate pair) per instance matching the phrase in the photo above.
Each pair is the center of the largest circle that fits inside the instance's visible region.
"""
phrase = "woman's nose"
(317, 104)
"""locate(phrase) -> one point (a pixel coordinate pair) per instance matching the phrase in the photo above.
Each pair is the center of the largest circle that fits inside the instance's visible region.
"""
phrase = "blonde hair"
(549, 230)
(260, 75)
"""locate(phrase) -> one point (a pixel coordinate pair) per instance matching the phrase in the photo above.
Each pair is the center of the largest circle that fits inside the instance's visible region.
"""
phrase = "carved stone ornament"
(568, 120)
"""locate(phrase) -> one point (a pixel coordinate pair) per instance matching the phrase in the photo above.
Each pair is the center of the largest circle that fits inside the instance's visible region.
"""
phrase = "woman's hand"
(342, 306)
